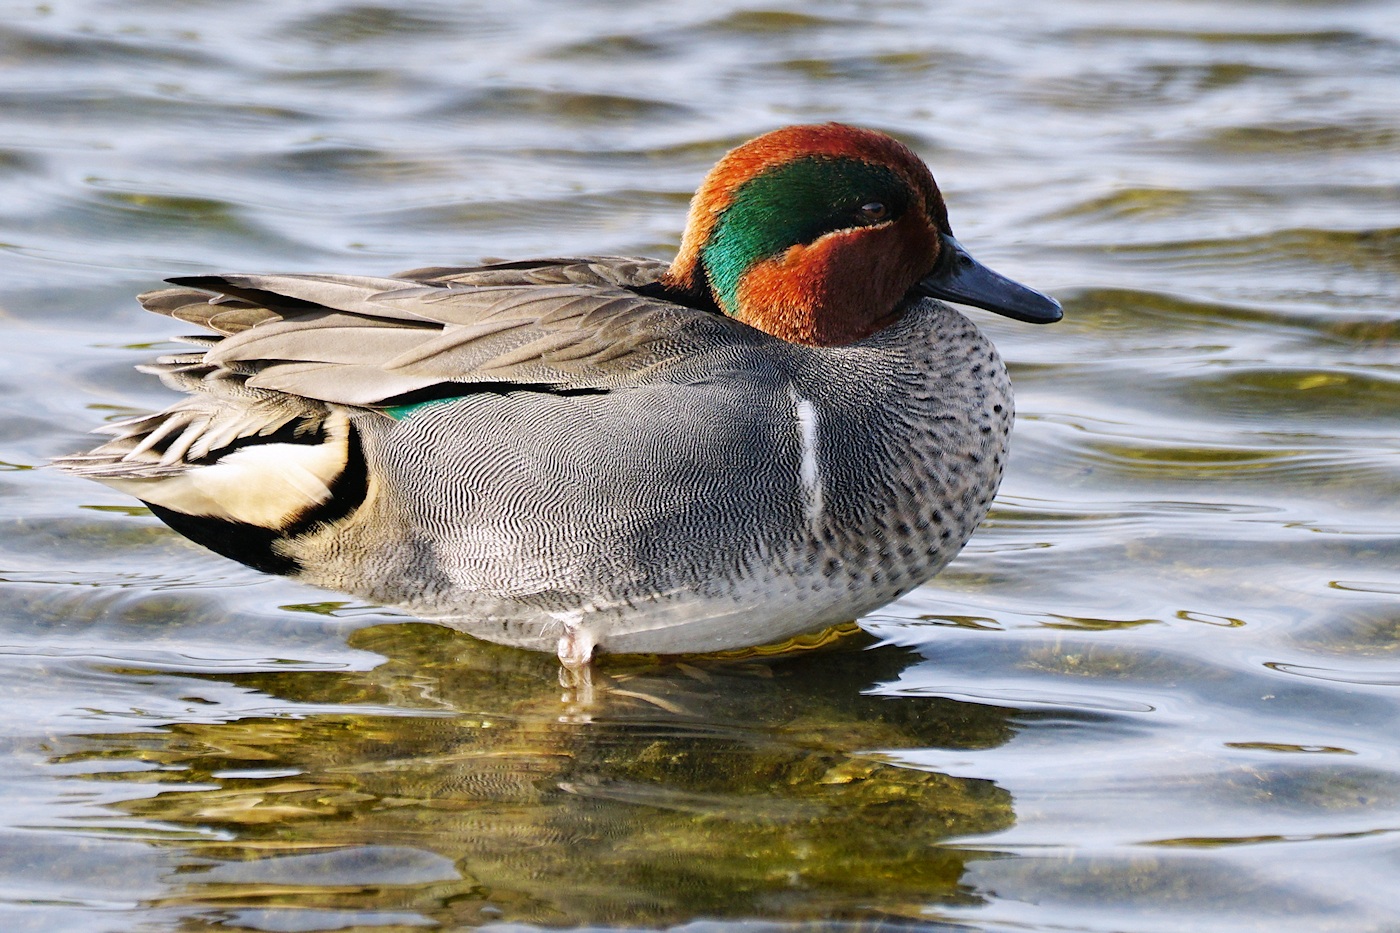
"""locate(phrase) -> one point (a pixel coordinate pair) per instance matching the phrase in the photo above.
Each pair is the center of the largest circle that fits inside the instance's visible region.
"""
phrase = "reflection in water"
(702, 788)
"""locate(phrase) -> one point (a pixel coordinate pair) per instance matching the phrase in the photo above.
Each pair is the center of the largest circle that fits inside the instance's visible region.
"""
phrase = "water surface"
(1158, 691)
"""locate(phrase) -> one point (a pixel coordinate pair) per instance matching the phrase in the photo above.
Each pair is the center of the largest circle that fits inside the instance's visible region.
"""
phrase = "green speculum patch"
(400, 412)
(793, 203)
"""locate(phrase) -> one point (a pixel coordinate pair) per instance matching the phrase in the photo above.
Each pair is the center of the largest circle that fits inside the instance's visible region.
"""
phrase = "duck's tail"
(233, 467)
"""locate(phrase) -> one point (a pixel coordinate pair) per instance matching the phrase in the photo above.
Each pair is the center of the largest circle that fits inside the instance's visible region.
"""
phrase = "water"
(1158, 691)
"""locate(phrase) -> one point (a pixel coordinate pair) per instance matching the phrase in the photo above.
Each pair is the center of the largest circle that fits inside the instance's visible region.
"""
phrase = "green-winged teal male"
(782, 429)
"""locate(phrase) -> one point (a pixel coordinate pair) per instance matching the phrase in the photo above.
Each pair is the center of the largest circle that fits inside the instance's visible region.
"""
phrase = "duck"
(784, 428)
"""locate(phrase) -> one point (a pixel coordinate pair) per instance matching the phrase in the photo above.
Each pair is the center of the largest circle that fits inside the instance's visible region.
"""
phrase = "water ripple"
(1370, 678)
(1154, 692)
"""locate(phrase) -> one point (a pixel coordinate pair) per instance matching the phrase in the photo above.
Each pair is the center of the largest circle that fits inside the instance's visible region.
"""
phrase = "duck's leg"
(576, 665)
(575, 654)
(576, 644)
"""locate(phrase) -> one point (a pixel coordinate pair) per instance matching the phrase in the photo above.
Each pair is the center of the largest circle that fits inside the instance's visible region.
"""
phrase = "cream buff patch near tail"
(268, 485)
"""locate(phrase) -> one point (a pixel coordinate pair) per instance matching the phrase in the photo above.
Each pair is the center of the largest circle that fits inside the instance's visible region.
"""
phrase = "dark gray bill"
(963, 279)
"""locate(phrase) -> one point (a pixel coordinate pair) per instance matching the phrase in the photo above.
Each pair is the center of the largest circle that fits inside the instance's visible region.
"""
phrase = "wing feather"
(367, 341)
(361, 386)
(326, 341)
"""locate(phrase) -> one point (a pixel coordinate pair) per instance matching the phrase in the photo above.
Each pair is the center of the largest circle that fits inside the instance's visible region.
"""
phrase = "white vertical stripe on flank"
(808, 472)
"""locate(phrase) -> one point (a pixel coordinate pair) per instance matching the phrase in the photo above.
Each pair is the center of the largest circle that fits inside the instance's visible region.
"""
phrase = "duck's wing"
(555, 325)
(286, 350)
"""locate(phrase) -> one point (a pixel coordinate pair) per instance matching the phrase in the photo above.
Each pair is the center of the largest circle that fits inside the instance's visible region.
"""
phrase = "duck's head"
(822, 234)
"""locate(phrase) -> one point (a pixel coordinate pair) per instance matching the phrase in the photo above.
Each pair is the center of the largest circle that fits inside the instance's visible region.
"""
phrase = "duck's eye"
(874, 210)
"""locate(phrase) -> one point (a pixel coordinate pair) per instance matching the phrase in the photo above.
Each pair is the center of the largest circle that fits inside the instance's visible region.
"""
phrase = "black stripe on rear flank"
(256, 546)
